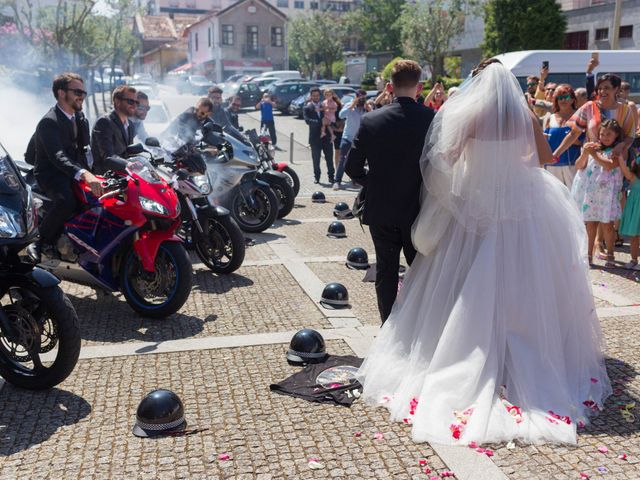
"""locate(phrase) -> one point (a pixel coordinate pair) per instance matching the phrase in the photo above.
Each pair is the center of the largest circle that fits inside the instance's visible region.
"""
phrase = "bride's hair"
(484, 64)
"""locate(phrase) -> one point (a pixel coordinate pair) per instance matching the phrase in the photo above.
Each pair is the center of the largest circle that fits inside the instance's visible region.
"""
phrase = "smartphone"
(545, 64)
(595, 56)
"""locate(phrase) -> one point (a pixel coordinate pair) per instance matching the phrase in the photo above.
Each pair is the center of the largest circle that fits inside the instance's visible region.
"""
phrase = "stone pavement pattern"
(82, 429)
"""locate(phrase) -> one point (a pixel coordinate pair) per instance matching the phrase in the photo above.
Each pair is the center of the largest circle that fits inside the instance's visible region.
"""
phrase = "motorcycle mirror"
(152, 142)
(135, 149)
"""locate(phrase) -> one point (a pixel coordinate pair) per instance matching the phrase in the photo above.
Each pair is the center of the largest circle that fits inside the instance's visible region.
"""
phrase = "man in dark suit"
(390, 140)
(60, 158)
(113, 132)
(185, 125)
(313, 117)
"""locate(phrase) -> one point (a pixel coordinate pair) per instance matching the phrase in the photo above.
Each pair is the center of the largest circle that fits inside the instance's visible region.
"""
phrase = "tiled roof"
(153, 27)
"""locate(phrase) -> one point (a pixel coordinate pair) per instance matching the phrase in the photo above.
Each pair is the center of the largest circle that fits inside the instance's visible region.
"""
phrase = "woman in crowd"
(597, 186)
(556, 128)
(436, 97)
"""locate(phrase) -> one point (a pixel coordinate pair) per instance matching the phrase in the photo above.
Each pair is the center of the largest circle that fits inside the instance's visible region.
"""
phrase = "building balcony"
(249, 51)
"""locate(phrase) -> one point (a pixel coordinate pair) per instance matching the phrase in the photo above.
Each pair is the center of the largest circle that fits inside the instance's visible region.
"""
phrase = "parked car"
(297, 105)
(158, 118)
(150, 90)
(283, 93)
(325, 82)
(248, 92)
(264, 83)
(238, 77)
(195, 85)
(108, 79)
(143, 77)
(281, 74)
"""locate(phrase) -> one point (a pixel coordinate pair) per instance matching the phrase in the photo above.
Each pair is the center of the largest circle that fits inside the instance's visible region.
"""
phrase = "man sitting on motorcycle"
(191, 120)
(61, 146)
(220, 115)
(114, 132)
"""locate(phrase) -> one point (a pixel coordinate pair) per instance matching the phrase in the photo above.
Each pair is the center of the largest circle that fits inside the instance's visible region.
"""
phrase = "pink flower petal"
(224, 456)
(472, 445)
(447, 473)
(434, 478)
(583, 475)
(422, 462)
(488, 453)
(594, 380)
(480, 450)
(357, 434)
(622, 456)
(603, 449)
(427, 470)
(581, 424)
(378, 436)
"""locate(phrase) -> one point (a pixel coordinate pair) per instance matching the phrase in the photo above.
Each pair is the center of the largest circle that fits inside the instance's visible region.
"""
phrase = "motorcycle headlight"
(153, 206)
(202, 181)
(11, 225)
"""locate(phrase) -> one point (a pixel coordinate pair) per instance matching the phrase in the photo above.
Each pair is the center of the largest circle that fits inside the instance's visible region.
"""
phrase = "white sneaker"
(632, 265)
(336, 186)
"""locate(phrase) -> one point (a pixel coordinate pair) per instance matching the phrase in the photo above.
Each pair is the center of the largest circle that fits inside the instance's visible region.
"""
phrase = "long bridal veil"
(494, 334)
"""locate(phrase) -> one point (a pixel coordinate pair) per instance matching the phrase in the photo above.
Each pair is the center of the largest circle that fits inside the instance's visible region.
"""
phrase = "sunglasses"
(77, 92)
(549, 89)
(144, 108)
(564, 97)
(202, 114)
(532, 84)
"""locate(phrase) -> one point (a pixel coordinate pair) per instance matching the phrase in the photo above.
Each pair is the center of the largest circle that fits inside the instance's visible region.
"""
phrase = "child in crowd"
(597, 185)
(329, 107)
(630, 224)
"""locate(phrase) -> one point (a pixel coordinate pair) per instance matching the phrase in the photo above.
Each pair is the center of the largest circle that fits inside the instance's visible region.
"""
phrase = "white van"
(281, 74)
(569, 66)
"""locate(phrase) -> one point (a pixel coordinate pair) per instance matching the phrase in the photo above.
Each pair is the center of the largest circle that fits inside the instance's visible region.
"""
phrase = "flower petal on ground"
(603, 449)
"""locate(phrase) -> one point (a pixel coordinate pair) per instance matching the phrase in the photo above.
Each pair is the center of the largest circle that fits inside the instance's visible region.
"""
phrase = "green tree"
(429, 29)
(316, 42)
(375, 22)
(512, 25)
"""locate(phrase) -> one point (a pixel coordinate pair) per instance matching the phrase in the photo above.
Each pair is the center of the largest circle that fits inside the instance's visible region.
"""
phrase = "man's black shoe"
(35, 252)
(316, 181)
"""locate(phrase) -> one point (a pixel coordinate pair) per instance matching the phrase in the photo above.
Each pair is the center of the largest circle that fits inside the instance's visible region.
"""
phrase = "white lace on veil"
(481, 140)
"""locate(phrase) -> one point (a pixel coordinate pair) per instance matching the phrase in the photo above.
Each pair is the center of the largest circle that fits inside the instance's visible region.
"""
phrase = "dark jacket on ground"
(58, 153)
(109, 142)
(390, 140)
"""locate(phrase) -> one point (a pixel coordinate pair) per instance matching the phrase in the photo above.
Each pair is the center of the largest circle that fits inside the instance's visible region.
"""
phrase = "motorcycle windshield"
(141, 167)
(11, 182)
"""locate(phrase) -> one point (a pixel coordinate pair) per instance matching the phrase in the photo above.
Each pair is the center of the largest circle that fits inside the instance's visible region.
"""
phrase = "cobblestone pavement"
(226, 345)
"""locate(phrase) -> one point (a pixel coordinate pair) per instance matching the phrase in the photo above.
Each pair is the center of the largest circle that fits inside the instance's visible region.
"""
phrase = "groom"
(390, 140)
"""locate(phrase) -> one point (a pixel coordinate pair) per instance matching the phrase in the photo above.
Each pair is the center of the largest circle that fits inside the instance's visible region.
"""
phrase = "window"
(276, 36)
(227, 34)
(602, 34)
(196, 41)
(283, 3)
(252, 39)
(626, 31)
(298, 4)
(209, 36)
(576, 40)
(313, 5)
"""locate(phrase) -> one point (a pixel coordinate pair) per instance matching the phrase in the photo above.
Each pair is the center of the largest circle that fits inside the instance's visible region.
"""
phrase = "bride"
(494, 335)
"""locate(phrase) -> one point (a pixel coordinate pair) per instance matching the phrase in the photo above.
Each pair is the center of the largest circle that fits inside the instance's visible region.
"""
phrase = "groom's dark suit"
(390, 140)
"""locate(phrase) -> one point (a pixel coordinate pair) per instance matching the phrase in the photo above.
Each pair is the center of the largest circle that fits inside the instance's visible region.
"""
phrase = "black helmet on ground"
(358, 259)
(342, 210)
(307, 346)
(159, 413)
(318, 197)
(336, 230)
(335, 295)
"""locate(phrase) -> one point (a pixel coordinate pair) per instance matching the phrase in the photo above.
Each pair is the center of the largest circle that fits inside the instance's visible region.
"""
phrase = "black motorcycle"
(210, 229)
(39, 330)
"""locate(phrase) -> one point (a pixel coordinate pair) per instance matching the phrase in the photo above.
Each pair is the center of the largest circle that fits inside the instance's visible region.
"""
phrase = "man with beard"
(141, 114)
(188, 122)
(60, 146)
(220, 116)
(235, 104)
(113, 132)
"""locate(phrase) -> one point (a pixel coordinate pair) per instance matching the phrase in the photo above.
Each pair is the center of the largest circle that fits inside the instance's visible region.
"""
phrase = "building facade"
(249, 36)
(291, 8)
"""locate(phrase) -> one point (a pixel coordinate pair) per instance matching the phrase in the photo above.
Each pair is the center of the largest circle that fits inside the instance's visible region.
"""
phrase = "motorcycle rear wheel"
(258, 219)
(172, 279)
(221, 245)
(48, 314)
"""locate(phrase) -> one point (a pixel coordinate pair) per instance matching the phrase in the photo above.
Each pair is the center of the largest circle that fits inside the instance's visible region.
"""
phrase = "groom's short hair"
(405, 73)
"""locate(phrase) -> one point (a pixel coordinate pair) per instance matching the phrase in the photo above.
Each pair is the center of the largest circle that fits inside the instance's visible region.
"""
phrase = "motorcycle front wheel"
(45, 345)
(220, 246)
(292, 178)
(261, 217)
(284, 194)
(162, 292)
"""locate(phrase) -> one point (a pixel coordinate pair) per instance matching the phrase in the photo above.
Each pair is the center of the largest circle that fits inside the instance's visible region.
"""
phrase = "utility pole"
(615, 42)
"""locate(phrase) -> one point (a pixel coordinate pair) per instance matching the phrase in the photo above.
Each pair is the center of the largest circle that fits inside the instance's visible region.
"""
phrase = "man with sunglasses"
(141, 114)
(232, 111)
(113, 132)
(60, 156)
(191, 120)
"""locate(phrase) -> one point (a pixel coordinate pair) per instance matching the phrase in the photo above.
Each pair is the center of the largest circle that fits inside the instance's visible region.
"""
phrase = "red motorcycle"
(125, 241)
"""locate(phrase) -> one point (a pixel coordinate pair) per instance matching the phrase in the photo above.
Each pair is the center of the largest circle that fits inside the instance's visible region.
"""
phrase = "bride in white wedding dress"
(494, 335)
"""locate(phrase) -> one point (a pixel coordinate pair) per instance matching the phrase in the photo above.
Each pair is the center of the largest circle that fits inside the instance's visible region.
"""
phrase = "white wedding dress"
(494, 335)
